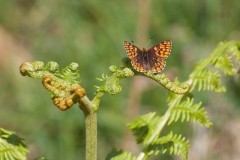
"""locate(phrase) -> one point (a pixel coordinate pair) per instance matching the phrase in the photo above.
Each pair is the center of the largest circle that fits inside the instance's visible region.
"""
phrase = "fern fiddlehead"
(63, 85)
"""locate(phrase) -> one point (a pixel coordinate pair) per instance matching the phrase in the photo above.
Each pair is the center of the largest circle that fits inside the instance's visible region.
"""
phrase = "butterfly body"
(143, 58)
(152, 59)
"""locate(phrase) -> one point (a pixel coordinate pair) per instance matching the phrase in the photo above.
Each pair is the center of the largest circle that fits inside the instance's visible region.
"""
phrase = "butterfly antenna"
(148, 42)
(132, 41)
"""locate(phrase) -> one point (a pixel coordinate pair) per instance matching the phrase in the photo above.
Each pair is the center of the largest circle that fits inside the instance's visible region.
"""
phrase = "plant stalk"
(91, 135)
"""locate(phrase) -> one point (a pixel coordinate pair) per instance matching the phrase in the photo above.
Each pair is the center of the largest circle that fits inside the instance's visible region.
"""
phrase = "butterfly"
(152, 59)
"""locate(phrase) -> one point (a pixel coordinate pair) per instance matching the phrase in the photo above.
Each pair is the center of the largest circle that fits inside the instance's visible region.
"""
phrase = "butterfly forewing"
(157, 55)
(132, 51)
(162, 50)
(135, 54)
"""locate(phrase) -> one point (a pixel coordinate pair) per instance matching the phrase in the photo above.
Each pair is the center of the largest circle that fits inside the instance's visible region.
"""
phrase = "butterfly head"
(144, 50)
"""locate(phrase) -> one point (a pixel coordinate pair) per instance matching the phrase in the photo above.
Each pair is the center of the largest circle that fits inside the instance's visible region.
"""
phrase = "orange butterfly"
(152, 59)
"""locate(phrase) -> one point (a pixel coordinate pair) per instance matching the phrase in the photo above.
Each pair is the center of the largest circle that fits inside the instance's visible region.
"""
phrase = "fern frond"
(221, 59)
(63, 85)
(11, 146)
(111, 81)
(224, 63)
(71, 73)
(143, 126)
(188, 111)
(207, 80)
(172, 143)
(234, 49)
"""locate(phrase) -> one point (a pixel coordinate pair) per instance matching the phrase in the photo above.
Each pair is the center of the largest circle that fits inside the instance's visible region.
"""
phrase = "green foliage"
(70, 73)
(147, 128)
(111, 82)
(37, 69)
(174, 144)
(185, 110)
(208, 80)
(89, 32)
(11, 146)
(207, 76)
(143, 126)
(63, 85)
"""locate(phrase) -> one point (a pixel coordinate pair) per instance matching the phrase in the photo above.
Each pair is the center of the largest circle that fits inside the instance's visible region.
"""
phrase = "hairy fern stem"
(91, 135)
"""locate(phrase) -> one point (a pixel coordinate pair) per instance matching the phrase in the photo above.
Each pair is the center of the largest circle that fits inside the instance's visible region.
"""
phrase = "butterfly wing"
(157, 55)
(162, 50)
(135, 55)
(132, 51)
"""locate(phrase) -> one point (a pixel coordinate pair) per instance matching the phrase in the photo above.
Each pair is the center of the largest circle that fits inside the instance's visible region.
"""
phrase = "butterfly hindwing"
(157, 64)
(135, 54)
(139, 64)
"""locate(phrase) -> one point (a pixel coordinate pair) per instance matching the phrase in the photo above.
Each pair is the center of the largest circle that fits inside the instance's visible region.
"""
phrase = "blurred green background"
(91, 33)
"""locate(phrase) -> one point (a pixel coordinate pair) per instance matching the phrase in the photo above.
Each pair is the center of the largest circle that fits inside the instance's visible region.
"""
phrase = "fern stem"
(91, 135)
(165, 82)
(96, 100)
